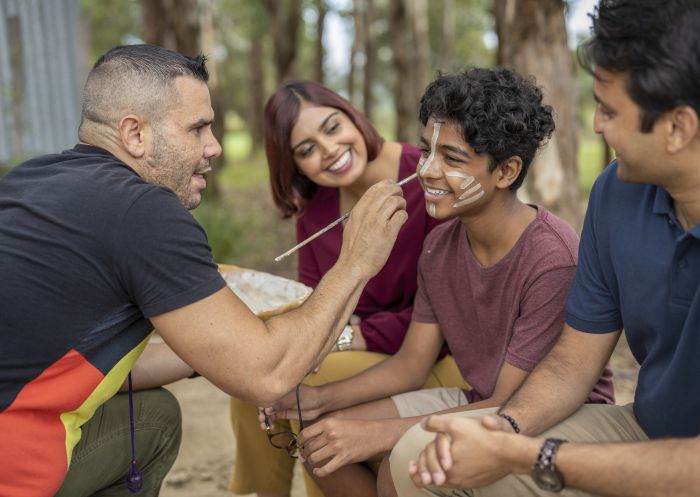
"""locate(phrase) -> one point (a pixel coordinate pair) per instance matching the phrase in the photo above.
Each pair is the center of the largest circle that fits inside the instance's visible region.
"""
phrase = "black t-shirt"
(88, 252)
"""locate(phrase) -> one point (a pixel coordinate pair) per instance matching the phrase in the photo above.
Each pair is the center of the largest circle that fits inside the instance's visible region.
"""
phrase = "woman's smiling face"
(327, 147)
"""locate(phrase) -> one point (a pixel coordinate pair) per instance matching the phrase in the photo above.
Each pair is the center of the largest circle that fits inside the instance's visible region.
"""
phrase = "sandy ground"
(206, 455)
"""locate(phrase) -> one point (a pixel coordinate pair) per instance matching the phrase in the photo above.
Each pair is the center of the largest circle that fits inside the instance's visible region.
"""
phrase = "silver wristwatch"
(345, 339)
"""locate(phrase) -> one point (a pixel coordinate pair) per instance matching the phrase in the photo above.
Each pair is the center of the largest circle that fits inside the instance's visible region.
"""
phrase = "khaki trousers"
(590, 424)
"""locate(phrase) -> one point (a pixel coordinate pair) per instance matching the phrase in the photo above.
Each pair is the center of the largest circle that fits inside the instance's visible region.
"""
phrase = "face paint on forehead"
(433, 142)
(468, 180)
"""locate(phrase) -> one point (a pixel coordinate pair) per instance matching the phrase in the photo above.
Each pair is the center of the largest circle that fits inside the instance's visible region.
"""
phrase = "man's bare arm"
(158, 365)
(562, 381)
(261, 361)
(643, 469)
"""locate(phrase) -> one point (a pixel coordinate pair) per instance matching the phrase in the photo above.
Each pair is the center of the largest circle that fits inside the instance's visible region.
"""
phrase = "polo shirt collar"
(663, 205)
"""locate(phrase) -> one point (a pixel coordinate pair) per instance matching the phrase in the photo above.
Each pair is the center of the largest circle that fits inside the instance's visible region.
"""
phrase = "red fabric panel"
(31, 428)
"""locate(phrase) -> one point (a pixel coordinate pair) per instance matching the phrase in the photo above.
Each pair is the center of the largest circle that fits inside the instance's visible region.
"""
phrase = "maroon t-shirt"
(512, 311)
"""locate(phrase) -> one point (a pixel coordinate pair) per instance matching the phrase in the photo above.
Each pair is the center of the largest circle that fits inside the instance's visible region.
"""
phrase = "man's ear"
(683, 128)
(508, 171)
(133, 135)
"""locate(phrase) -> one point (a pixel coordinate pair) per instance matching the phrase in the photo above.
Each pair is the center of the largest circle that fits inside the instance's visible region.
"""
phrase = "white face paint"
(470, 192)
(468, 180)
(431, 209)
(433, 143)
(470, 199)
(472, 195)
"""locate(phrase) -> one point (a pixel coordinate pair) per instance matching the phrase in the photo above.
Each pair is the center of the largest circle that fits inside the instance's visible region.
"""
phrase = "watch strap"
(545, 471)
(548, 453)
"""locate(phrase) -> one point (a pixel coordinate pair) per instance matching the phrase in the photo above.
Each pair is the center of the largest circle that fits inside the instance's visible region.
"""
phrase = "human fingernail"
(438, 478)
(425, 478)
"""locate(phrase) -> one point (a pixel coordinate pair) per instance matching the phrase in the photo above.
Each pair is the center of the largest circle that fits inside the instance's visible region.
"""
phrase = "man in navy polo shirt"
(639, 270)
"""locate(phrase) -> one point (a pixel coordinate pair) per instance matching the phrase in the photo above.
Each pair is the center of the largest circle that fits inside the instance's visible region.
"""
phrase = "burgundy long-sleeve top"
(386, 304)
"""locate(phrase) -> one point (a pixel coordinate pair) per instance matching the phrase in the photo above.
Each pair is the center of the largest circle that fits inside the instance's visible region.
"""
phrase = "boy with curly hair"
(492, 282)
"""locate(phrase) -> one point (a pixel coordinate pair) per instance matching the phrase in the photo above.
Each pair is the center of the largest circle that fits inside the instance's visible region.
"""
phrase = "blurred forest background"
(380, 54)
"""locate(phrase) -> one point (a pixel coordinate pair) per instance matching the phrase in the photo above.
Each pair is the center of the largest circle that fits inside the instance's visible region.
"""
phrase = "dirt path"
(204, 464)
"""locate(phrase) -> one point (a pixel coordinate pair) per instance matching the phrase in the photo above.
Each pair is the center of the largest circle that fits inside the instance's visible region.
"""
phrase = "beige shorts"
(590, 424)
(428, 401)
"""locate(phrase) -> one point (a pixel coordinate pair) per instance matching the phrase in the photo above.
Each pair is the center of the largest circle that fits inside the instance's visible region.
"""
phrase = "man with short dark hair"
(639, 270)
(97, 248)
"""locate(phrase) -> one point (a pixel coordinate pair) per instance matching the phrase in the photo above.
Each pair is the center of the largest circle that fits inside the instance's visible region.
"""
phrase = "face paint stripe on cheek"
(473, 189)
(433, 142)
(468, 180)
(470, 200)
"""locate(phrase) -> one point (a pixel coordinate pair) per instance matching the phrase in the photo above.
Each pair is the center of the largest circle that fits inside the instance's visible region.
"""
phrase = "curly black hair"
(499, 112)
(657, 44)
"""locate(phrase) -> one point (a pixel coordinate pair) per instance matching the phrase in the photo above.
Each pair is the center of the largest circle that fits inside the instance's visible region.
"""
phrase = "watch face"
(548, 479)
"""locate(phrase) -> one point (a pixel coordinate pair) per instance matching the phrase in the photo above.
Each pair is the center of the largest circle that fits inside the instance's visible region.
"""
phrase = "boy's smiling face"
(456, 180)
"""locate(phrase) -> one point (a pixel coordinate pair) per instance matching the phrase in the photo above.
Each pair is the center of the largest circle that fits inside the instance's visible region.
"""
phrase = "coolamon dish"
(265, 294)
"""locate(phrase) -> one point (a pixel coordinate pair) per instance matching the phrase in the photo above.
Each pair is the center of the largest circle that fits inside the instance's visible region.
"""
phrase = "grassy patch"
(590, 161)
(243, 168)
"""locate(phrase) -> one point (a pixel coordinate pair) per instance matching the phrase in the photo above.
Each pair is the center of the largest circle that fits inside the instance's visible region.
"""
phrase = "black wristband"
(512, 422)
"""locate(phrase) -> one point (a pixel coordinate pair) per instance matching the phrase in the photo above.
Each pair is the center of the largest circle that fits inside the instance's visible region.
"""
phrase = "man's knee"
(158, 416)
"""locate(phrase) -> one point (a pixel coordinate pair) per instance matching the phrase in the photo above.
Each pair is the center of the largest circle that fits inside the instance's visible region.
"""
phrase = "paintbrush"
(332, 225)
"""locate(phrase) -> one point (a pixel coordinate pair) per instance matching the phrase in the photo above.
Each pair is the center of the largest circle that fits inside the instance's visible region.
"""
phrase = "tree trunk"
(172, 24)
(284, 24)
(532, 40)
(321, 10)
(421, 47)
(400, 32)
(370, 59)
(448, 35)
(355, 48)
(257, 93)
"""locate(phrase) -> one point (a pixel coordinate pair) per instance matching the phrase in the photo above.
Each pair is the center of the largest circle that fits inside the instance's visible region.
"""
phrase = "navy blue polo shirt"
(639, 270)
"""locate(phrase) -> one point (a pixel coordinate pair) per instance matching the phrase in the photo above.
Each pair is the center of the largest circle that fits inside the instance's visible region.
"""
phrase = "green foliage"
(473, 23)
(111, 23)
(590, 161)
(223, 228)
(244, 168)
